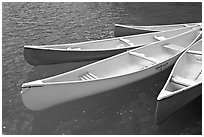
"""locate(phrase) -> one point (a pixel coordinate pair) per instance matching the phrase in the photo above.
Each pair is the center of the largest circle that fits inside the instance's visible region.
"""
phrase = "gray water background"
(127, 110)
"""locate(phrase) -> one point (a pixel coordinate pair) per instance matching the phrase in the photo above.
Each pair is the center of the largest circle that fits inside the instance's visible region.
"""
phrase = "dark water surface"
(127, 110)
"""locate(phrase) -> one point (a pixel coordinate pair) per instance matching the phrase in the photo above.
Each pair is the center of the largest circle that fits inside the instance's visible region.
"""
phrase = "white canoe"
(183, 84)
(125, 30)
(107, 74)
(91, 50)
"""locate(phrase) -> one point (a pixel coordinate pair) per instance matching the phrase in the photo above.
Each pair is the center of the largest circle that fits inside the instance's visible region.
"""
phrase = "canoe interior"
(189, 69)
(126, 63)
(108, 44)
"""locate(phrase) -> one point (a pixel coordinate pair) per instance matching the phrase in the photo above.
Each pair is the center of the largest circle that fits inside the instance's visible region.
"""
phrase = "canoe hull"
(46, 57)
(57, 94)
(120, 31)
(168, 106)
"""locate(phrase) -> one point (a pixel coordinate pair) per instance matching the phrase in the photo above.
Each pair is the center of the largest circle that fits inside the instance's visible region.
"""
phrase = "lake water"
(127, 110)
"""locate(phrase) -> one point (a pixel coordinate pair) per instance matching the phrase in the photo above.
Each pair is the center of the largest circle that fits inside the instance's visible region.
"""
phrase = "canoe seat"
(182, 81)
(121, 46)
(160, 38)
(140, 55)
(87, 76)
(174, 47)
(130, 44)
(179, 48)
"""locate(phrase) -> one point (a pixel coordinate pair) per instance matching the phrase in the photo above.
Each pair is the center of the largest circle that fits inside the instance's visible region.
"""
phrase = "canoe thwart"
(87, 76)
(173, 47)
(182, 81)
(159, 38)
(178, 48)
(127, 42)
(194, 52)
(140, 55)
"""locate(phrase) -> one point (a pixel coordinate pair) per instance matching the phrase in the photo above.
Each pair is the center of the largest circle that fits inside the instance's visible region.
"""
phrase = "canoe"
(107, 74)
(91, 50)
(183, 84)
(125, 30)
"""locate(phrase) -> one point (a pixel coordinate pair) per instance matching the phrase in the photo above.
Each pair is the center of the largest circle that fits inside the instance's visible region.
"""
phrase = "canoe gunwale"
(151, 28)
(81, 50)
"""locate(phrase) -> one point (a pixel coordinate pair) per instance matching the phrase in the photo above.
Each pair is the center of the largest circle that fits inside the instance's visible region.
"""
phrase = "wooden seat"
(121, 46)
(87, 76)
(127, 42)
(140, 55)
(179, 48)
(194, 52)
(159, 38)
(182, 81)
(174, 47)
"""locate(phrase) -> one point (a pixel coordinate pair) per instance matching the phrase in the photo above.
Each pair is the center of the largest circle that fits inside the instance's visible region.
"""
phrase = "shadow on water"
(188, 120)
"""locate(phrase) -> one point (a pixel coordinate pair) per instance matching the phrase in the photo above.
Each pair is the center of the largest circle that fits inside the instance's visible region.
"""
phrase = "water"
(127, 110)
